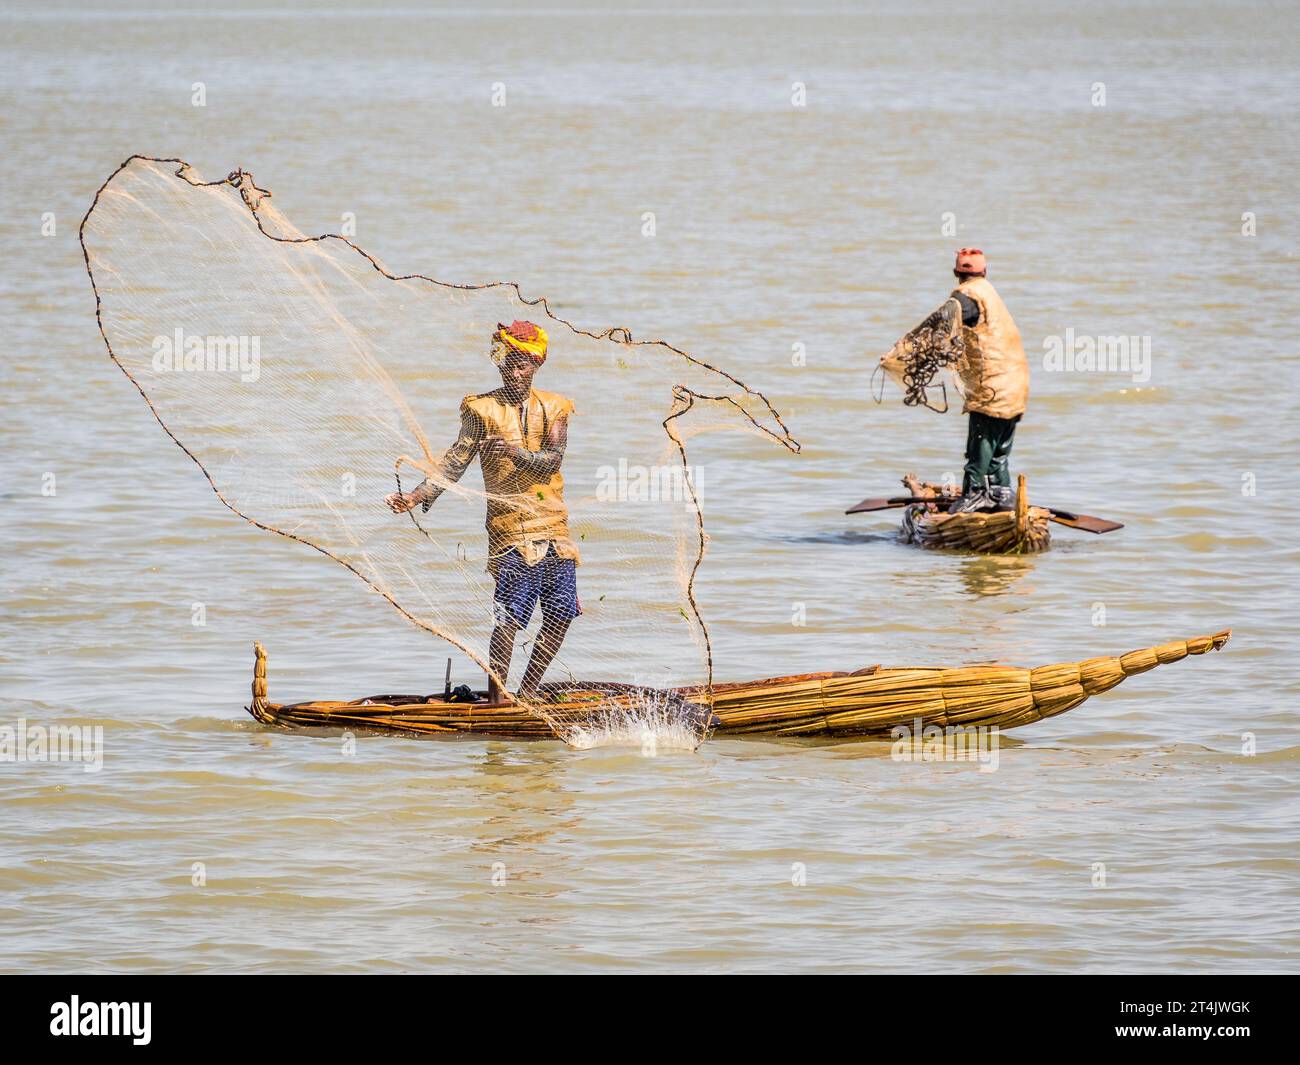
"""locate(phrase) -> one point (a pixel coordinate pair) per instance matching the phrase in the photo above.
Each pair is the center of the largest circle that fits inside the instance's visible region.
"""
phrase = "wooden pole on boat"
(1022, 507)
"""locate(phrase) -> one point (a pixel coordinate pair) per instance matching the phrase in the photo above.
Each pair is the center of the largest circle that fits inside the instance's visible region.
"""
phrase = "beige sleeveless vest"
(995, 372)
(525, 511)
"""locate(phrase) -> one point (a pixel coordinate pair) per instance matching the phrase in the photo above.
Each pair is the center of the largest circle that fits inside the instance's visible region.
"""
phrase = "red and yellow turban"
(526, 338)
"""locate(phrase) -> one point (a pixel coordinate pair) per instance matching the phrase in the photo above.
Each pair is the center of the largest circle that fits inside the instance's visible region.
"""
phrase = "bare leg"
(548, 643)
(500, 650)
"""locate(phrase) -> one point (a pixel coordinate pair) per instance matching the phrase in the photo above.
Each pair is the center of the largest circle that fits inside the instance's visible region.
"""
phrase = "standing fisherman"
(519, 434)
(994, 373)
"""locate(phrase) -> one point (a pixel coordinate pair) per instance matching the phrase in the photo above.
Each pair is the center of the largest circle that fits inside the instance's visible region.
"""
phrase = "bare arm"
(451, 466)
(548, 458)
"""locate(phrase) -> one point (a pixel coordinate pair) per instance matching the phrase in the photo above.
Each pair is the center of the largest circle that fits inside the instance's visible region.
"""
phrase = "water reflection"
(520, 788)
(994, 574)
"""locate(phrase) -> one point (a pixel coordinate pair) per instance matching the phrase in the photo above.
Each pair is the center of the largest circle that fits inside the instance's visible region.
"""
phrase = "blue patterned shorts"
(520, 587)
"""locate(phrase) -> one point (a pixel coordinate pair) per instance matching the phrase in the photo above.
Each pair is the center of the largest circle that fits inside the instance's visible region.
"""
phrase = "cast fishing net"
(308, 381)
(930, 357)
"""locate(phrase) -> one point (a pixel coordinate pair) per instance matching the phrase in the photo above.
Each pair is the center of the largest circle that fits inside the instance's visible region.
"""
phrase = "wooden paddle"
(885, 504)
(1086, 522)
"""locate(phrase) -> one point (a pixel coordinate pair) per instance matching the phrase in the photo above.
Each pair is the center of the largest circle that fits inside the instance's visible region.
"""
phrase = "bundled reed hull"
(1021, 531)
(865, 704)
(991, 533)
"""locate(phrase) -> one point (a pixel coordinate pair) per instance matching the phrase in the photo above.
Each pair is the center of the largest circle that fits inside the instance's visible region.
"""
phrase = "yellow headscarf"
(526, 338)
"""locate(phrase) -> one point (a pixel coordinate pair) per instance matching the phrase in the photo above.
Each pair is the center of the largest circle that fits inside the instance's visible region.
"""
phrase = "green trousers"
(988, 447)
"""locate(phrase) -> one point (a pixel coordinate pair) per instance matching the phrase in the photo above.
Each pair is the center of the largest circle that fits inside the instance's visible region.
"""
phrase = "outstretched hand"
(401, 502)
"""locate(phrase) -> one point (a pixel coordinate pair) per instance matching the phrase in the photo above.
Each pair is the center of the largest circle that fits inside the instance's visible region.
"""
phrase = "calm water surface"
(777, 226)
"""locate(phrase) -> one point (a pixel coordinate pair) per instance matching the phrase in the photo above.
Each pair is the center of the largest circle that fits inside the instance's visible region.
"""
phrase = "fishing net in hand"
(930, 356)
(308, 382)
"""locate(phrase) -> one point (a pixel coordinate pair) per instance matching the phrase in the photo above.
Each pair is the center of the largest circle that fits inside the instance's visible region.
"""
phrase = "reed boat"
(867, 703)
(1019, 531)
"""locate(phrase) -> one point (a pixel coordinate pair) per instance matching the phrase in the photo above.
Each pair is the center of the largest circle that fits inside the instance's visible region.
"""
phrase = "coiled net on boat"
(301, 374)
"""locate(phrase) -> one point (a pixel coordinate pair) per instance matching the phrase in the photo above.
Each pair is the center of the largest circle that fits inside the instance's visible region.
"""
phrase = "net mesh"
(307, 381)
(930, 357)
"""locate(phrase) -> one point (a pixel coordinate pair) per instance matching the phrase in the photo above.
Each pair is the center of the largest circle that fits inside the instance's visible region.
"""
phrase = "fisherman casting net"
(308, 382)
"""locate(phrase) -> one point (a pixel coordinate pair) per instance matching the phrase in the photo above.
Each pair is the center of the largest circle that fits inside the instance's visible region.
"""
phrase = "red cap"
(970, 261)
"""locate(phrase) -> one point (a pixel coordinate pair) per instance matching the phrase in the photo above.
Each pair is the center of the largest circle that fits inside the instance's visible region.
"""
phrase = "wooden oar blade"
(1086, 522)
(881, 504)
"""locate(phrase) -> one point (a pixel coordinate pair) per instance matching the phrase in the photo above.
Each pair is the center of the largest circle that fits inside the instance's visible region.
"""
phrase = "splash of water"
(652, 720)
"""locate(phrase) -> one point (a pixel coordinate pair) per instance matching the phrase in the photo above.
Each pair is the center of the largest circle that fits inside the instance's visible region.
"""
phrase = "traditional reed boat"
(1020, 531)
(864, 704)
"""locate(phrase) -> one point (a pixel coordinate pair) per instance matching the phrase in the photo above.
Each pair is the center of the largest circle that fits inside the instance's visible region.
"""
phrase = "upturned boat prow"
(865, 704)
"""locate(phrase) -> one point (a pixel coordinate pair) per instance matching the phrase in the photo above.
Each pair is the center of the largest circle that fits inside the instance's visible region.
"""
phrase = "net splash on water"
(648, 720)
(300, 374)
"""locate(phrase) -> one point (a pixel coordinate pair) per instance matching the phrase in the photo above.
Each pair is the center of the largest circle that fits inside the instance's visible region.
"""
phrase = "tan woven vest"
(524, 510)
(995, 372)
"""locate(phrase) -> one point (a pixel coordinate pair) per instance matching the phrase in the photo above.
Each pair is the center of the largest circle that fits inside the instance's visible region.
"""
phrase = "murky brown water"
(776, 226)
